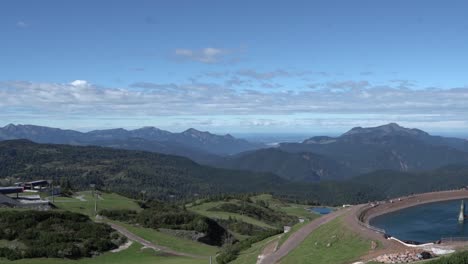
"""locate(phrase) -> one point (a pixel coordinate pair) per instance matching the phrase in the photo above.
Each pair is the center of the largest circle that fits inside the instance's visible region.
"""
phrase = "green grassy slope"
(456, 258)
(111, 201)
(124, 171)
(172, 242)
(203, 209)
(250, 255)
(296, 210)
(299, 210)
(133, 254)
(86, 204)
(332, 243)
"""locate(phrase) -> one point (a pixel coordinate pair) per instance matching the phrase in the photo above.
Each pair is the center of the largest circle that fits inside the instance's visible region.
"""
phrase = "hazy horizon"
(264, 137)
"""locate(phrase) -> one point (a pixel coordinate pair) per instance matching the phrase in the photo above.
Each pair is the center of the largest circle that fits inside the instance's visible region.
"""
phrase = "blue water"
(424, 223)
(321, 210)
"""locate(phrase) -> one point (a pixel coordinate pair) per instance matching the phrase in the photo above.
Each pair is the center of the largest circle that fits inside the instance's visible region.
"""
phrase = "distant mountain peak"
(149, 128)
(384, 130)
(195, 132)
(9, 126)
(392, 127)
(191, 130)
(111, 130)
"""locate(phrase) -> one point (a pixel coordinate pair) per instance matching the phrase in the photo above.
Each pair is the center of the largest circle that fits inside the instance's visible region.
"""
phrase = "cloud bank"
(329, 103)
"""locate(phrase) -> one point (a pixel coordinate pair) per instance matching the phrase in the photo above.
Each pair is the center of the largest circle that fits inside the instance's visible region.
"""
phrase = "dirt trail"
(148, 244)
(295, 239)
(268, 250)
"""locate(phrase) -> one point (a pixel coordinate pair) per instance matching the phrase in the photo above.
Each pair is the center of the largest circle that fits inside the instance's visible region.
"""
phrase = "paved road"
(148, 244)
(295, 239)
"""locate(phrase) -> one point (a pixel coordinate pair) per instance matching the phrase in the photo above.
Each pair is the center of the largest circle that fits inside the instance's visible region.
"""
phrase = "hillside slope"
(304, 166)
(124, 171)
(363, 150)
(160, 176)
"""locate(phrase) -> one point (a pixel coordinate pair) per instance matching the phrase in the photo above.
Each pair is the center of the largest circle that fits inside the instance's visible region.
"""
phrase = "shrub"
(54, 235)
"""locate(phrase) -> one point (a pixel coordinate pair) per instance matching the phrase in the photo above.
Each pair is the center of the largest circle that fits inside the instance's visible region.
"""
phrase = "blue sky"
(235, 66)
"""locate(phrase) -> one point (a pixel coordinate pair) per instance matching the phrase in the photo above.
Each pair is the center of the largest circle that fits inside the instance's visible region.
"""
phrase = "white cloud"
(206, 55)
(184, 52)
(81, 83)
(22, 24)
(263, 75)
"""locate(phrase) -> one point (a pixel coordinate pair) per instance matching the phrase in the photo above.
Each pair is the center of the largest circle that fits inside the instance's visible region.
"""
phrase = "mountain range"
(197, 145)
(358, 151)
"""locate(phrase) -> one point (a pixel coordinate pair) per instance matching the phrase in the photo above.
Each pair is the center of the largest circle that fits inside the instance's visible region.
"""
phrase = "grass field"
(172, 242)
(132, 255)
(83, 202)
(332, 243)
(203, 209)
(299, 210)
(249, 256)
(86, 204)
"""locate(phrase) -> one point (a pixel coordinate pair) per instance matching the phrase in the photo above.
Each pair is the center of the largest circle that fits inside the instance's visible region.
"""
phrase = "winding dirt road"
(148, 244)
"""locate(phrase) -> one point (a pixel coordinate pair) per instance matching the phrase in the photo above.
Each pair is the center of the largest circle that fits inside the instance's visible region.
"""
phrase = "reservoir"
(321, 210)
(424, 223)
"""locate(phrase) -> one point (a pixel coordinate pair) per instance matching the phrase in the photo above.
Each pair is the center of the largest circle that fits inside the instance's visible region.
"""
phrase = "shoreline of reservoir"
(373, 210)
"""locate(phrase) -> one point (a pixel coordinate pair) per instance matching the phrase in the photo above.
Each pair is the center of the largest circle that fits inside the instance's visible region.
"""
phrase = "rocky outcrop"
(405, 257)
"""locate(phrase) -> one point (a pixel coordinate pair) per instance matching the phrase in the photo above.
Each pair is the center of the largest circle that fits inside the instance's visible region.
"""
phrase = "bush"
(159, 215)
(230, 252)
(260, 213)
(54, 235)
(457, 258)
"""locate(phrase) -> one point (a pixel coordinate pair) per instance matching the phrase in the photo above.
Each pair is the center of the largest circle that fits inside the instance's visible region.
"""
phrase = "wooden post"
(461, 215)
(94, 194)
(95, 202)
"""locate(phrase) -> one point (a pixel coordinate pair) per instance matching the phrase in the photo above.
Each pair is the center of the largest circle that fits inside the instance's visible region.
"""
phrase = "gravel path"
(268, 250)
